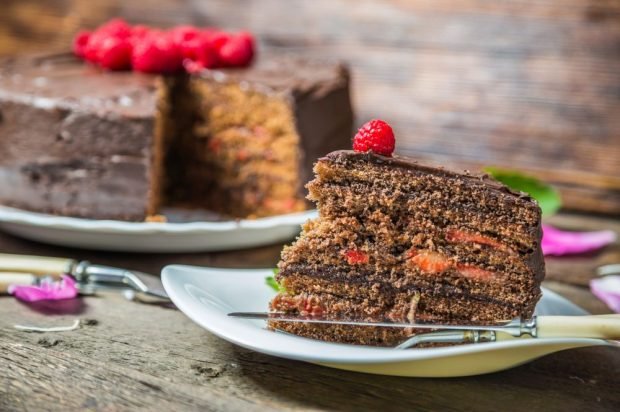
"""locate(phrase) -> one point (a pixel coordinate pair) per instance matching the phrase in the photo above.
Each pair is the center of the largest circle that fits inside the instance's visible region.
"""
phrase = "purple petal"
(560, 242)
(607, 289)
(47, 290)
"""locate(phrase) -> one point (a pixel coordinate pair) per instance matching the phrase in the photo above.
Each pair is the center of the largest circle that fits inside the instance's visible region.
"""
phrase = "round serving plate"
(207, 295)
(167, 237)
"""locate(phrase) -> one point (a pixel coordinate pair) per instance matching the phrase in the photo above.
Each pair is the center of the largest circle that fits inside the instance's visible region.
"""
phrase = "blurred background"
(527, 84)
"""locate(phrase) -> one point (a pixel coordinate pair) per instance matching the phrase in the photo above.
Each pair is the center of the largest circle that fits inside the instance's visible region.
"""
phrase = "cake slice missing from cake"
(399, 241)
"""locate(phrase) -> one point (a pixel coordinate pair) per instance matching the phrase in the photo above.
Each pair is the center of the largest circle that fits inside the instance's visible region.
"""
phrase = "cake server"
(593, 326)
(90, 278)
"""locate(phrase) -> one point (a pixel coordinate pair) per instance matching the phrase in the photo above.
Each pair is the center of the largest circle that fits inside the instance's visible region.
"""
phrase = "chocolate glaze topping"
(408, 163)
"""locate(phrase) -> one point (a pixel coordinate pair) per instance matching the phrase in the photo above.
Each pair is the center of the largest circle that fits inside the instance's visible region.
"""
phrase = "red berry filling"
(435, 262)
(306, 305)
(474, 272)
(428, 261)
(356, 257)
(375, 136)
(461, 236)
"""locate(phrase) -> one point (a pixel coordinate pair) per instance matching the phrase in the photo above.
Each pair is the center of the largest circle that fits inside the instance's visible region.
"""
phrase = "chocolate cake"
(399, 241)
(79, 141)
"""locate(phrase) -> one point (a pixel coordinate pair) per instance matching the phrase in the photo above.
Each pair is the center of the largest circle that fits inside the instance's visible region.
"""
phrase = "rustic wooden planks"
(141, 357)
(529, 84)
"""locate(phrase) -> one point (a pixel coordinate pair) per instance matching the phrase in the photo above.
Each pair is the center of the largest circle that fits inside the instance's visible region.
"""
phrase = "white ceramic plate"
(113, 235)
(206, 295)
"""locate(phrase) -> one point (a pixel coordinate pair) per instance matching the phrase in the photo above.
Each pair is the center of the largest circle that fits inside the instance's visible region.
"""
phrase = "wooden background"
(527, 84)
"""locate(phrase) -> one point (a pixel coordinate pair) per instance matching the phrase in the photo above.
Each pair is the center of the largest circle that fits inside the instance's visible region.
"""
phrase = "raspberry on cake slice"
(399, 241)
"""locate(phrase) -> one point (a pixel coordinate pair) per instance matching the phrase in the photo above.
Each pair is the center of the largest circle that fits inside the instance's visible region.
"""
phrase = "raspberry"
(92, 47)
(461, 236)
(80, 43)
(431, 262)
(375, 136)
(200, 51)
(116, 28)
(109, 45)
(181, 34)
(192, 66)
(114, 54)
(474, 272)
(139, 32)
(355, 257)
(237, 50)
(156, 53)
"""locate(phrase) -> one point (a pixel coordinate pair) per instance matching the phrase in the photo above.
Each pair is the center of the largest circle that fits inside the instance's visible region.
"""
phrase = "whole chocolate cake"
(399, 241)
(79, 141)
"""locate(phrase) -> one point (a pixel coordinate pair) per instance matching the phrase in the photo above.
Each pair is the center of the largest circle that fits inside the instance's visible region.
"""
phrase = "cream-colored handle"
(594, 326)
(36, 265)
(15, 278)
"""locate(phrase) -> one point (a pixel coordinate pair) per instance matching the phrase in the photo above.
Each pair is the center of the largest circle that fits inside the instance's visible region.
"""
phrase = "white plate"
(113, 235)
(206, 295)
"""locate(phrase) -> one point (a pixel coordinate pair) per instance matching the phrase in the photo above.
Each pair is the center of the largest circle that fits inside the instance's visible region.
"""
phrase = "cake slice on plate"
(397, 240)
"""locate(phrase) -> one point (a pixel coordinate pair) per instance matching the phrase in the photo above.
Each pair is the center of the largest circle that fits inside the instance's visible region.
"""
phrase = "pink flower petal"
(560, 242)
(47, 290)
(607, 289)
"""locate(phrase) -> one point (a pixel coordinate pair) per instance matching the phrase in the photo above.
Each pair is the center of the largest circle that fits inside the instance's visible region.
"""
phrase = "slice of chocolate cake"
(399, 241)
(76, 140)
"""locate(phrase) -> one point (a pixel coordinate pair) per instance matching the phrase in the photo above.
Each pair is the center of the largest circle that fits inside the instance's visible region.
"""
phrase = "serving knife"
(90, 278)
(592, 326)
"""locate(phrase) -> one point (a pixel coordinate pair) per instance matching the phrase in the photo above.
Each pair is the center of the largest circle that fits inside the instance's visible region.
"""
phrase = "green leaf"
(547, 196)
(273, 283)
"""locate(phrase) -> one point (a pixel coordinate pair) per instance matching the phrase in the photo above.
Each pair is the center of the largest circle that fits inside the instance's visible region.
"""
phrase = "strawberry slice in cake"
(399, 241)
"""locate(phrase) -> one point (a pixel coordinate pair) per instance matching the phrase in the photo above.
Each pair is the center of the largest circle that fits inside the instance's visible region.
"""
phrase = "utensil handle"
(36, 265)
(594, 326)
(15, 278)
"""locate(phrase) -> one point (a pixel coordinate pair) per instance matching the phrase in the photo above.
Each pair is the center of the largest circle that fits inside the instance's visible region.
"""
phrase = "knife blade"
(591, 326)
(500, 326)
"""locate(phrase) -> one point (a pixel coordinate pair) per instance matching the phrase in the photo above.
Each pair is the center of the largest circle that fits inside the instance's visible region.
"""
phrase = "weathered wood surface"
(152, 358)
(530, 84)
(147, 357)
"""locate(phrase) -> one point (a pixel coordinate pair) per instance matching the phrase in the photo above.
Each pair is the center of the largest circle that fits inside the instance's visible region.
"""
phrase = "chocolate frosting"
(408, 163)
(66, 82)
(63, 80)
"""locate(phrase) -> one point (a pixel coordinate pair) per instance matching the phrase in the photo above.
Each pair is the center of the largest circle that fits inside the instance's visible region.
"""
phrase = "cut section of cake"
(399, 241)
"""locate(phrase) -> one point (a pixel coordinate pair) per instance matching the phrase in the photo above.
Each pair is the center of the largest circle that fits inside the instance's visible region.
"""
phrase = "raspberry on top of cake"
(399, 241)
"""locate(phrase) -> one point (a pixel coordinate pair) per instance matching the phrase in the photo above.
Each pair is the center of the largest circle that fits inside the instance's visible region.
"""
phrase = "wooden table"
(131, 356)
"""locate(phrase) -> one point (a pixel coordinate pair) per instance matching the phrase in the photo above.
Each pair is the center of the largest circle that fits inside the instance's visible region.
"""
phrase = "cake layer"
(400, 307)
(358, 335)
(349, 184)
(343, 250)
(240, 155)
(520, 299)
(379, 245)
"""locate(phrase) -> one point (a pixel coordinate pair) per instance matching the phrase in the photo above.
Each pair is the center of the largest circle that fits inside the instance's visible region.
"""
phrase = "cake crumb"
(156, 219)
